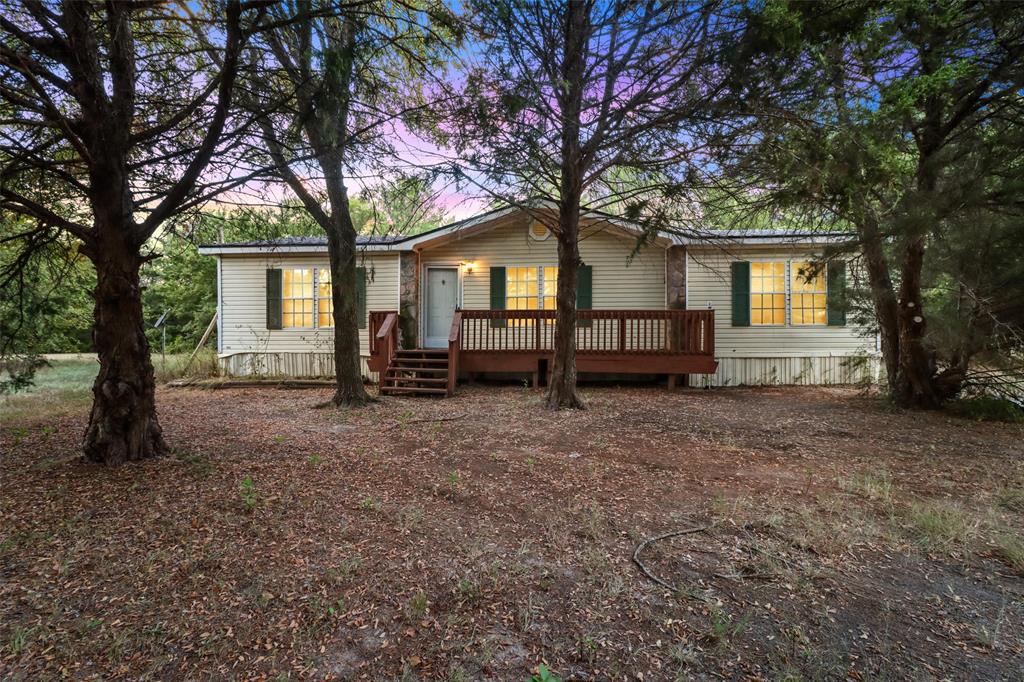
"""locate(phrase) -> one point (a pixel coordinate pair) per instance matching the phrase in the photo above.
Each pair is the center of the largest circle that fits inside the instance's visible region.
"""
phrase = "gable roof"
(493, 218)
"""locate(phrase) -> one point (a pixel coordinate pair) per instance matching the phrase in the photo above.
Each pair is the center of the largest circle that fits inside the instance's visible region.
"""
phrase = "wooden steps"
(419, 371)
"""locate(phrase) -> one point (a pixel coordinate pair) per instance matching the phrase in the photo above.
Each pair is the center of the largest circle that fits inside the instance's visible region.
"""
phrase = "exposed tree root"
(688, 531)
(421, 421)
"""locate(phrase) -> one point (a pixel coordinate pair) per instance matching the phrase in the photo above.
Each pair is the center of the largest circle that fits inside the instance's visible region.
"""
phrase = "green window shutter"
(584, 292)
(361, 297)
(836, 293)
(740, 293)
(273, 298)
(498, 293)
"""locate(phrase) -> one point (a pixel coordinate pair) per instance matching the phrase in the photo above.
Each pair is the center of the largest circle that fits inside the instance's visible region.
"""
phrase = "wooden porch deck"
(672, 342)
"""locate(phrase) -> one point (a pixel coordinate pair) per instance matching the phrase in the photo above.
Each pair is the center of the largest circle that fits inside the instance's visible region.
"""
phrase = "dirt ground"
(480, 536)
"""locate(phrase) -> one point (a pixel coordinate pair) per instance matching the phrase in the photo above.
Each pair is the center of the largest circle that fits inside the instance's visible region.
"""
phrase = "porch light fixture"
(467, 267)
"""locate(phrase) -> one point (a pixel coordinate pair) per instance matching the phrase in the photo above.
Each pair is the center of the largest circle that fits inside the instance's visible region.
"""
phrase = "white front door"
(441, 298)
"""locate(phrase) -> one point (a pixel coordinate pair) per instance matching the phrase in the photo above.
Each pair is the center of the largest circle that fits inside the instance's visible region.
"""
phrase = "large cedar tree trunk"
(348, 373)
(919, 384)
(341, 245)
(884, 299)
(915, 380)
(562, 389)
(123, 425)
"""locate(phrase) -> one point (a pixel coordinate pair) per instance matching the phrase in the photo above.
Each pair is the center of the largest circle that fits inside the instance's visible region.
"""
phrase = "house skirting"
(817, 370)
(286, 364)
(732, 371)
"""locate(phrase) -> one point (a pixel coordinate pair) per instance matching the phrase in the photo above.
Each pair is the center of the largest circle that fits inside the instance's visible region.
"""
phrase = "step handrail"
(384, 344)
(454, 339)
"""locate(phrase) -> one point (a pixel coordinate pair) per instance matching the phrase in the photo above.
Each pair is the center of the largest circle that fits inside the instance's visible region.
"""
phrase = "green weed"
(417, 606)
(247, 491)
(544, 675)
(19, 639)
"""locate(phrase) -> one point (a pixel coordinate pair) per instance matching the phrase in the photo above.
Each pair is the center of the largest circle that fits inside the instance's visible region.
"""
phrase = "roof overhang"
(591, 220)
(270, 249)
(712, 240)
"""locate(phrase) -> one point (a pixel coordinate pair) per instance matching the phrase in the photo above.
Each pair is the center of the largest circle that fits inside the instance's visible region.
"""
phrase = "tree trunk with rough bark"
(884, 299)
(330, 140)
(341, 241)
(562, 389)
(123, 425)
(915, 385)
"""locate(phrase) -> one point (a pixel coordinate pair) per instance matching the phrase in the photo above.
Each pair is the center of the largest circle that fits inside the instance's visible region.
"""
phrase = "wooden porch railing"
(672, 342)
(383, 333)
(620, 332)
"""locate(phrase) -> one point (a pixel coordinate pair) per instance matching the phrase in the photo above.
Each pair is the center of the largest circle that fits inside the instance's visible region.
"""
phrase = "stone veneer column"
(675, 294)
(676, 278)
(408, 298)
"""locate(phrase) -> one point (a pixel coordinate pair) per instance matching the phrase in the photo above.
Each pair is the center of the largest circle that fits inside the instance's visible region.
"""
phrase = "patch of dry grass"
(876, 486)
(1010, 548)
(943, 524)
(1011, 497)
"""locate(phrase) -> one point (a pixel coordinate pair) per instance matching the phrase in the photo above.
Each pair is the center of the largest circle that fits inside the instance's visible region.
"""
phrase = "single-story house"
(478, 296)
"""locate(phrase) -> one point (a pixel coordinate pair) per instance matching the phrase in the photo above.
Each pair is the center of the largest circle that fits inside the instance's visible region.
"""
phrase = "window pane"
(324, 282)
(767, 293)
(297, 296)
(809, 300)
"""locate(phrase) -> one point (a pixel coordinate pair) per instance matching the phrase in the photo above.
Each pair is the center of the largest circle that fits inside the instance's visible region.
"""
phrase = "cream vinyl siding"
(243, 305)
(618, 281)
(773, 354)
